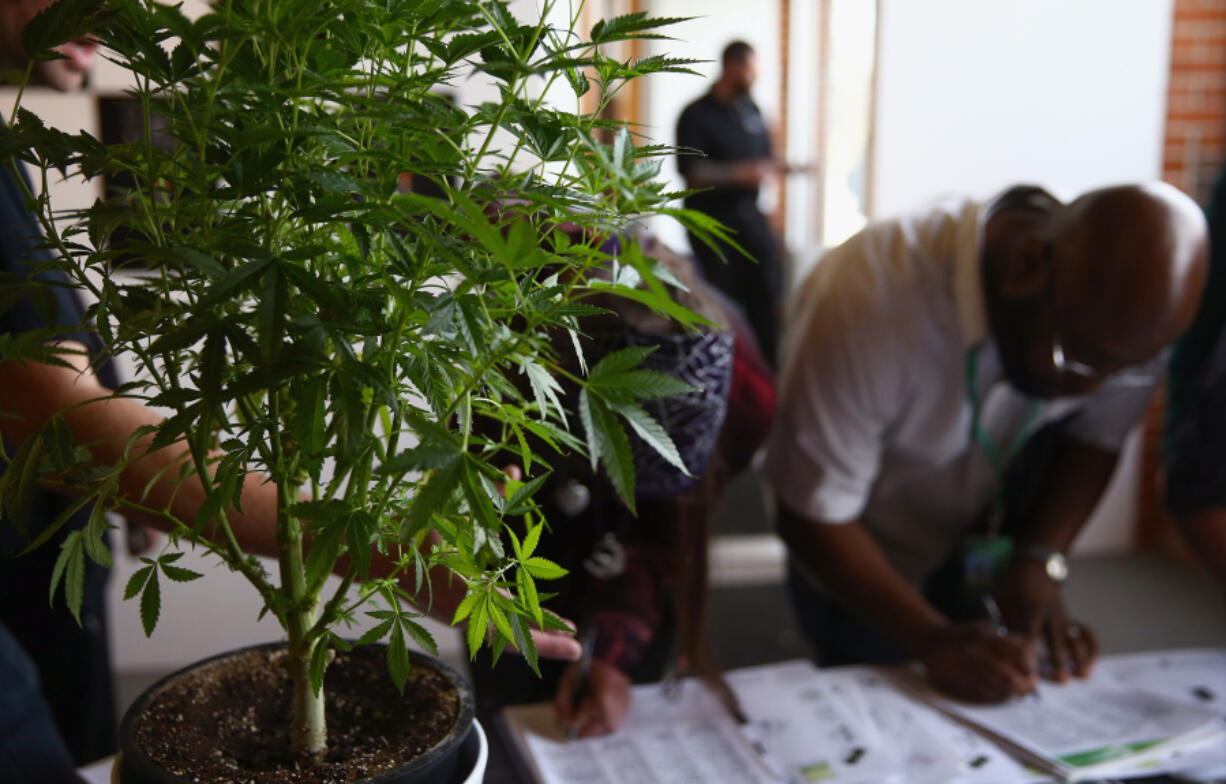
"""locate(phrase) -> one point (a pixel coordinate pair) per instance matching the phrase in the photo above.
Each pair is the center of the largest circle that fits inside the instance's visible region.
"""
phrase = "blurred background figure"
(726, 150)
(1195, 448)
(637, 582)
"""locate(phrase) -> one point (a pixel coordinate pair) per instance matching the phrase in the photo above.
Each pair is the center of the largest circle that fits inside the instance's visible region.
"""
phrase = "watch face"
(1057, 567)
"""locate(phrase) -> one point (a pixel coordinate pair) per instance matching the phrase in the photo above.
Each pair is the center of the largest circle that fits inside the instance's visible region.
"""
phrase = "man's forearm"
(847, 561)
(34, 392)
(1077, 478)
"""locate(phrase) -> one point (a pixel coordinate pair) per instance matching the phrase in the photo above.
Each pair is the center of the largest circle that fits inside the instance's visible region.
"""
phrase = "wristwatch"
(1054, 562)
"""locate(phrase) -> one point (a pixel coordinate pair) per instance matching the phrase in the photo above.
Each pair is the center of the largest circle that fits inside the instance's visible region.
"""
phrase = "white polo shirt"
(874, 420)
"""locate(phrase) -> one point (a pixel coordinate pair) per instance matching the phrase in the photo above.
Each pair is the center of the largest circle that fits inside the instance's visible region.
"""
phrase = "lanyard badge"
(984, 557)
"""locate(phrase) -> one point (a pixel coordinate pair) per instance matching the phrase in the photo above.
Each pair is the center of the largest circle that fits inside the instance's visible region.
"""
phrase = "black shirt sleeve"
(690, 137)
(20, 258)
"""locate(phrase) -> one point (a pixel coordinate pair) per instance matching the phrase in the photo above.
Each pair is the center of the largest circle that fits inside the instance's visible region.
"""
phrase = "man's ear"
(1025, 270)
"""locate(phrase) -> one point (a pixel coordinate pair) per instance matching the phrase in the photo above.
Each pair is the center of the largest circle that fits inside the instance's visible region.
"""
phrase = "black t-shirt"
(19, 256)
(725, 133)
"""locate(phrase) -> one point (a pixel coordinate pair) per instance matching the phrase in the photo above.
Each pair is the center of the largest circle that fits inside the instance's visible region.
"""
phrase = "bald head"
(1130, 265)
(1109, 279)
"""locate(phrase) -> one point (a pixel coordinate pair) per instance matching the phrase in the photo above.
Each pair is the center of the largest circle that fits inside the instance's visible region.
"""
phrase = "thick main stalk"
(309, 729)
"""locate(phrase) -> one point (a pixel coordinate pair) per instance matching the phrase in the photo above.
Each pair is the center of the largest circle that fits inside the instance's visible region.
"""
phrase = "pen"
(584, 687)
(994, 617)
(998, 625)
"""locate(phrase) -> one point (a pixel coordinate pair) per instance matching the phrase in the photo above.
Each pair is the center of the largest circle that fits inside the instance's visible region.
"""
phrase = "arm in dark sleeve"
(626, 610)
(691, 141)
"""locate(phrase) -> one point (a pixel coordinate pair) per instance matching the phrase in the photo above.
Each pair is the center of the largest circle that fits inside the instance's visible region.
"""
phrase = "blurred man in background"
(726, 150)
(1195, 448)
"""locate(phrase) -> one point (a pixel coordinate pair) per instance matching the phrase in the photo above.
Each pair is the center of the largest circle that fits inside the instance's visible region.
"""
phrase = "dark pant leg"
(31, 750)
(760, 279)
(753, 282)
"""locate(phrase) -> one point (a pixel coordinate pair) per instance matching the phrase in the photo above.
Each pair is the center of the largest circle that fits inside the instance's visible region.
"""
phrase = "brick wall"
(1196, 97)
(1194, 152)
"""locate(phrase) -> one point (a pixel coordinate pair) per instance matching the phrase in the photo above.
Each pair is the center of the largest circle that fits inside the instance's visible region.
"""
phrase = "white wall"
(974, 95)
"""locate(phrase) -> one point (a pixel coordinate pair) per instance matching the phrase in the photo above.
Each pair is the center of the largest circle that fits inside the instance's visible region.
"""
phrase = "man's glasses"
(1133, 376)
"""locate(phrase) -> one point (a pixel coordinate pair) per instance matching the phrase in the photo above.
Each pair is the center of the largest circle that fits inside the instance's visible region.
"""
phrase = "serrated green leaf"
(61, 447)
(135, 582)
(607, 439)
(647, 384)
(517, 504)
(92, 536)
(525, 643)
(150, 604)
(235, 280)
(532, 539)
(398, 659)
(431, 498)
(545, 389)
(325, 549)
(358, 533)
(319, 664)
(499, 617)
(179, 574)
(477, 622)
(515, 545)
(652, 433)
(554, 623)
(544, 568)
(420, 635)
(466, 606)
(74, 574)
(528, 595)
(57, 571)
(376, 633)
(618, 362)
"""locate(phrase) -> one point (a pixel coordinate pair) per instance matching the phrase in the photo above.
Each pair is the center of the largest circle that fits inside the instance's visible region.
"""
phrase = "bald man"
(925, 353)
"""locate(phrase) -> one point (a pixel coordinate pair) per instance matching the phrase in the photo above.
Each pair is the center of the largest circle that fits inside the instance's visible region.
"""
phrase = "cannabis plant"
(303, 314)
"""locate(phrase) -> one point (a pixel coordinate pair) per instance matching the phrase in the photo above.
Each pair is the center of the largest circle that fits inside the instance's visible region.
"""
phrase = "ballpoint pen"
(994, 617)
(584, 687)
(1001, 628)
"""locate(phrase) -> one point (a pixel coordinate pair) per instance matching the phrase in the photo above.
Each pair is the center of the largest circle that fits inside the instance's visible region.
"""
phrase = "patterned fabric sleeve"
(627, 610)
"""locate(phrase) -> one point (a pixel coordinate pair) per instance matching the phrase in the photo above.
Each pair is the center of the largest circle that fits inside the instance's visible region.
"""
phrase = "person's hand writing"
(1033, 605)
(600, 711)
(971, 661)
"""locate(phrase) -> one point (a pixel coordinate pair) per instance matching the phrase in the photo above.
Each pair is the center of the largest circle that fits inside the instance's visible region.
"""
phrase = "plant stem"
(309, 729)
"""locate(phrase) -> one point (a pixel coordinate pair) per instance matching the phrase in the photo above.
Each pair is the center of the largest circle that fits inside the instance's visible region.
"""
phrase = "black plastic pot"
(450, 760)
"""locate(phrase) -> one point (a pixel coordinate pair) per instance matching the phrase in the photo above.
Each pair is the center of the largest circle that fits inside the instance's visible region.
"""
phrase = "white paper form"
(1194, 677)
(931, 747)
(687, 740)
(1082, 725)
(817, 728)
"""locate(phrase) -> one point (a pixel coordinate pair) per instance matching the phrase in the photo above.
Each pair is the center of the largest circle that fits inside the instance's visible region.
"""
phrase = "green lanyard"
(998, 458)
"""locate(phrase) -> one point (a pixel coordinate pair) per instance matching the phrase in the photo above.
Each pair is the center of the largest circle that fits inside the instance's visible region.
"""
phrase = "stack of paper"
(814, 728)
(1193, 677)
(1087, 729)
(686, 736)
(1138, 714)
